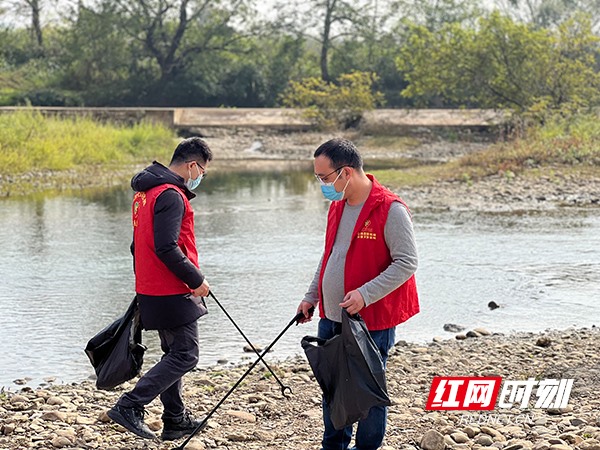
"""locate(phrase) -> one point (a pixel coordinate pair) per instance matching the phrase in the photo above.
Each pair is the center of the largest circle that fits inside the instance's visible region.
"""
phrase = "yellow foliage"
(334, 105)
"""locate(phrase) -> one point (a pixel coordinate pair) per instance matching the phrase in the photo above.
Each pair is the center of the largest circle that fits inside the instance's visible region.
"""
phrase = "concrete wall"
(277, 118)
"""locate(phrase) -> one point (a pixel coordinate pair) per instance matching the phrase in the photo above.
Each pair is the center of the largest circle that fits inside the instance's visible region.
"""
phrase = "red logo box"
(463, 393)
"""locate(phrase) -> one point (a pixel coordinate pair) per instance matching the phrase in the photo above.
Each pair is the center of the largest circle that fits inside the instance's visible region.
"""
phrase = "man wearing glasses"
(367, 267)
(169, 286)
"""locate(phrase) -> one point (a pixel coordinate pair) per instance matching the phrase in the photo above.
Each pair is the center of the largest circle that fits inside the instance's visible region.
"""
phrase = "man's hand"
(202, 290)
(304, 308)
(353, 302)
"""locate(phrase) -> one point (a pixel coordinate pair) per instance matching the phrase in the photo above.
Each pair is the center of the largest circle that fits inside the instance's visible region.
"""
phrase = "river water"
(66, 271)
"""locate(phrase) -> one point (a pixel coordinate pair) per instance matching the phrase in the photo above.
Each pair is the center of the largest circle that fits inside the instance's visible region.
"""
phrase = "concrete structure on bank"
(198, 119)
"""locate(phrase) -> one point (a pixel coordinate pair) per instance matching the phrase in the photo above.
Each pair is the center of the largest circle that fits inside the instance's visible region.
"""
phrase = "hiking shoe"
(132, 419)
(177, 428)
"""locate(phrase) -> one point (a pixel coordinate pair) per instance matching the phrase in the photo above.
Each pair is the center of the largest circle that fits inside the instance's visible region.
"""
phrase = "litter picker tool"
(212, 411)
(284, 389)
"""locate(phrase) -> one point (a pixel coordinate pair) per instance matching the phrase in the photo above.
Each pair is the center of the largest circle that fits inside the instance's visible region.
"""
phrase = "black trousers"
(180, 347)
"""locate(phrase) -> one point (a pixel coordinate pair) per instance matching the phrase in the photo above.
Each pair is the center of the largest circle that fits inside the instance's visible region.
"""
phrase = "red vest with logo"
(368, 256)
(152, 277)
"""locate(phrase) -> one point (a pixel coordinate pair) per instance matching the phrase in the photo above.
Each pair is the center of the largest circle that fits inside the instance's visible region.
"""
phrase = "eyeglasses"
(322, 179)
(203, 174)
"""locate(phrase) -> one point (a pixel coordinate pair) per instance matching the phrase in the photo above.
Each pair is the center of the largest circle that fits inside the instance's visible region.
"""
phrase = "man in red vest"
(169, 286)
(367, 267)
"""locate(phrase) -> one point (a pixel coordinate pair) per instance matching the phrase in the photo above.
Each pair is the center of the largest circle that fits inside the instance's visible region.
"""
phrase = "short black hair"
(190, 149)
(341, 152)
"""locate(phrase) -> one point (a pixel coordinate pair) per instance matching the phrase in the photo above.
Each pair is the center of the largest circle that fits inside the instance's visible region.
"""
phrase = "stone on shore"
(432, 440)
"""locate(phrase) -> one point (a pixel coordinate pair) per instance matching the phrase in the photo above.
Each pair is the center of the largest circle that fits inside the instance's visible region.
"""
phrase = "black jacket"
(158, 312)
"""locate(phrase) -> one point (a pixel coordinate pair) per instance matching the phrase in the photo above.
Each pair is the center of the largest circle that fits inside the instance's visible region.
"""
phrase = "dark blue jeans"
(370, 431)
(180, 347)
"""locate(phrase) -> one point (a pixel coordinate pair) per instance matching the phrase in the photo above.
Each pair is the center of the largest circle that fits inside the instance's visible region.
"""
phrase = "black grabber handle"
(212, 411)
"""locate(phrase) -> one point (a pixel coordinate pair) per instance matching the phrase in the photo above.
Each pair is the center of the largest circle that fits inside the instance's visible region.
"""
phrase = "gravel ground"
(257, 416)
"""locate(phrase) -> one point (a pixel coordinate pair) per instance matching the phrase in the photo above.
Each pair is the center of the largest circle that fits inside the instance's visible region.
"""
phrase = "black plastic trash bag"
(117, 352)
(349, 370)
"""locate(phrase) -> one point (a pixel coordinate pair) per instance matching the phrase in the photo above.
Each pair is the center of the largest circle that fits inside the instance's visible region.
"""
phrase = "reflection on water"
(66, 270)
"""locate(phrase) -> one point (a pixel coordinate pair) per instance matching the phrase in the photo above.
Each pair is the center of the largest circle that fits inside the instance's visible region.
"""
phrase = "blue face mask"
(192, 184)
(329, 192)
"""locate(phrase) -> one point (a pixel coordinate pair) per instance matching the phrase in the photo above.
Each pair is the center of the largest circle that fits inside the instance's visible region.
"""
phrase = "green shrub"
(46, 97)
(334, 106)
(503, 63)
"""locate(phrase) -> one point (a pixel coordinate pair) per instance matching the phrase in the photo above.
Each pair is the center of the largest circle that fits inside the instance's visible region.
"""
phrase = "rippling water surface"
(66, 271)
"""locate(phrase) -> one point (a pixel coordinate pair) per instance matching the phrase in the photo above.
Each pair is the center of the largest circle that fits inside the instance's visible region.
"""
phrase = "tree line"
(520, 54)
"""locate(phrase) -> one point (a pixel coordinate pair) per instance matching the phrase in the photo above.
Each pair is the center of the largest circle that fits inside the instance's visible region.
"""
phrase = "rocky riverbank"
(234, 150)
(257, 416)
(543, 188)
(248, 150)
(499, 193)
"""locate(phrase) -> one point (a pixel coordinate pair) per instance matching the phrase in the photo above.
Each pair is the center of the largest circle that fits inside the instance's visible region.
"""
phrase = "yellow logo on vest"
(367, 232)
(140, 197)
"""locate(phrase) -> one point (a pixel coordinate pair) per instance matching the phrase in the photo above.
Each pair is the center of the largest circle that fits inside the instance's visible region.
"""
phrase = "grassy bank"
(30, 142)
(571, 145)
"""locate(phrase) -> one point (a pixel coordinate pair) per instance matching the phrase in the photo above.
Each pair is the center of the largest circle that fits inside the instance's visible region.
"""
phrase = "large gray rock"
(432, 440)
(484, 439)
(460, 437)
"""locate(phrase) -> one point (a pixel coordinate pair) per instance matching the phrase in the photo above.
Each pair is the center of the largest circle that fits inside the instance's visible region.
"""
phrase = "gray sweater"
(399, 238)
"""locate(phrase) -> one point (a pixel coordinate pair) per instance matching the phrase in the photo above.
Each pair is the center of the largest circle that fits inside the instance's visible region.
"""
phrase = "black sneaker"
(132, 419)
(177, 428)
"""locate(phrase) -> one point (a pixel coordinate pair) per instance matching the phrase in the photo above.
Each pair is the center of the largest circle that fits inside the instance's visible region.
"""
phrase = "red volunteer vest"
(152, 277)
(368, 256)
